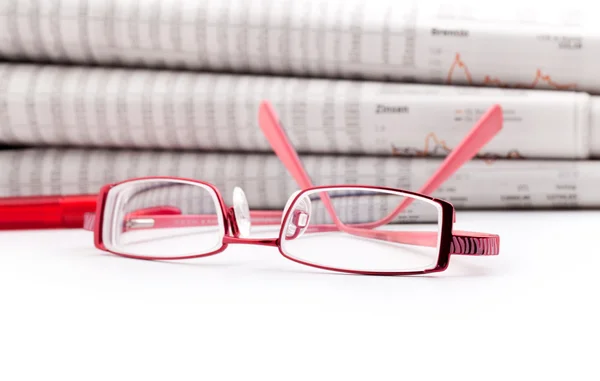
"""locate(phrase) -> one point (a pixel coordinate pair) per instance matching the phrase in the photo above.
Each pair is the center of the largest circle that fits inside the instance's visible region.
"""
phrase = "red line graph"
(488, 80)
(433, 145)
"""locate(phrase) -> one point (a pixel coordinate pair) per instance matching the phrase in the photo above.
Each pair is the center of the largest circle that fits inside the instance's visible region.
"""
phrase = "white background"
(71, 312)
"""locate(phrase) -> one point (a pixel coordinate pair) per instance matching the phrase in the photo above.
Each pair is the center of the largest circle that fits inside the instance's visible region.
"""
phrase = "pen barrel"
(74, 208)
(45, 212)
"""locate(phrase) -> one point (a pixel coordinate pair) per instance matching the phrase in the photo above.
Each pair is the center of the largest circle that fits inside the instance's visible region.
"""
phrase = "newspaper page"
(489, 184)
(110, 107)
(594, 138)
(501, 44)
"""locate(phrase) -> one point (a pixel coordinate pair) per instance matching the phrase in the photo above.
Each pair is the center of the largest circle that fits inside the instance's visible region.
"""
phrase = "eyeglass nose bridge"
(235, 238)
(239, 223)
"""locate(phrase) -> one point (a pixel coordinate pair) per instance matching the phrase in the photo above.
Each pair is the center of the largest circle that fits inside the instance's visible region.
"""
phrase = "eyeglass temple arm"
(165, 216)
(463, 242)
(486, 127)
(483, 131)
(269, 124)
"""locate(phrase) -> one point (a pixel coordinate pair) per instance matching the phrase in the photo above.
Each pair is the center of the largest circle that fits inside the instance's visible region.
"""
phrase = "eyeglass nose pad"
(242, 212)
(288, 204)
(299, 217)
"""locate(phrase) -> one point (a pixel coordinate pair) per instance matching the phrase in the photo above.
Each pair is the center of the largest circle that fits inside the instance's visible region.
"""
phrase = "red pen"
(45, 212)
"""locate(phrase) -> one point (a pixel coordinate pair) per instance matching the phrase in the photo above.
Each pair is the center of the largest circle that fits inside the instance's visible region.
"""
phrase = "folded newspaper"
(84, 106)
(505, 44)
(489, 184)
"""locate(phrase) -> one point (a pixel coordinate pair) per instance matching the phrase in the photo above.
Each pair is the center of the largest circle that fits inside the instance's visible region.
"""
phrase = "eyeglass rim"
(447, 222)
(443, 257)
(101, 204)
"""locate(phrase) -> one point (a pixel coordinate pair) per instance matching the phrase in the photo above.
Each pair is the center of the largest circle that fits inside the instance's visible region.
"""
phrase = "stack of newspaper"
(375, 92)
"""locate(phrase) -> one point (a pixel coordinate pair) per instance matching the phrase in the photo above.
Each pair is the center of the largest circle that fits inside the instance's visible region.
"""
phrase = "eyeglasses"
(348, 228)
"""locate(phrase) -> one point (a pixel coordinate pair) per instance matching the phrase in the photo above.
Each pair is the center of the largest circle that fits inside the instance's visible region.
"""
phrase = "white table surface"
(69, 311)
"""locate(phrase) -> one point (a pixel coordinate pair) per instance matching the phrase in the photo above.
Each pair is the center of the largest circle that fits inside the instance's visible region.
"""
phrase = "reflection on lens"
(363, 229)
(162, 218)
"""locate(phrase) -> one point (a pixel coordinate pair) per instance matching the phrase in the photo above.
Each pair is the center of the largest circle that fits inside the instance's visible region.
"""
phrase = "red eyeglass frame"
(232, 233)
(75, 211)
